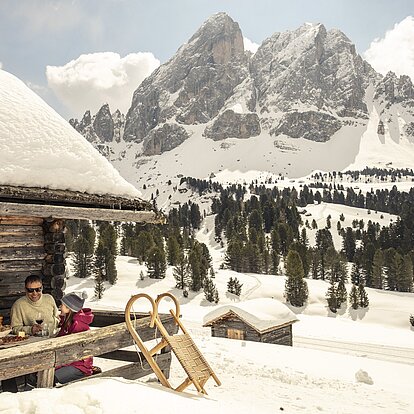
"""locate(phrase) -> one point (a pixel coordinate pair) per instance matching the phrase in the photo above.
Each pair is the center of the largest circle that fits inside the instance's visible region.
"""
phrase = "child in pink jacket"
(74, 319)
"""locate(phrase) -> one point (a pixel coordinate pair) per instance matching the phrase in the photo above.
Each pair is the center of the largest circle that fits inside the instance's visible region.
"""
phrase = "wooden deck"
(105, 342)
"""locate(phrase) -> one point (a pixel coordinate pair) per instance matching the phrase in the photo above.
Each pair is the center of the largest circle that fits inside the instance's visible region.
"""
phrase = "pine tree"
(252, 258)
(296, 288)
(212, 273)
(324, 242)
(199, 264)
(173, 250)
(405, 275)
(275, 258)
(181, 272)
(275, 240)
(354, 297)
(209, 289)
(237, 287)
(144, 242)
(377, 270)
(331, 297)
(315, 264)
(362, 296)
(156, 263)
(111, 272)
(349, 244)
(99, 262)
(392, 262)
(195, 216)
(230, 285)
(82, 257)
(99, 285)
(356, 273)
(341, 293)
(105, 253)
(216, 297)
(234, 256)
(123, 249)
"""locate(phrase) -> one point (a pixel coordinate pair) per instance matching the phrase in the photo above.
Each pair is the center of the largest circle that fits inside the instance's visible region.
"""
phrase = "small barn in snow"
(260, 320)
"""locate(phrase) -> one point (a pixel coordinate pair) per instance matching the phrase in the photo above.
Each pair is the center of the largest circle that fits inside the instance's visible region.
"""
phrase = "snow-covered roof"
(262, 314)
(38, 148)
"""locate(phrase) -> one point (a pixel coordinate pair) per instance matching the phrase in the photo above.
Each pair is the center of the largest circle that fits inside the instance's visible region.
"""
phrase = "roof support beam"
(79, 213)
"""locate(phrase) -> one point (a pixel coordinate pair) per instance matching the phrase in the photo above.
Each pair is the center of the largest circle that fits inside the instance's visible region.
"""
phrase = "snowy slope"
(256, 377)
(200, 157)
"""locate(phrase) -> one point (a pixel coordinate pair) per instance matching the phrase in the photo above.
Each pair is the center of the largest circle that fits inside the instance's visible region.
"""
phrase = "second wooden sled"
(193, 362)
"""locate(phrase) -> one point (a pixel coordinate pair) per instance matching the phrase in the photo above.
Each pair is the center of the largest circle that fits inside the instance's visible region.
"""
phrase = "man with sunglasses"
(24, 313)
(27, 309)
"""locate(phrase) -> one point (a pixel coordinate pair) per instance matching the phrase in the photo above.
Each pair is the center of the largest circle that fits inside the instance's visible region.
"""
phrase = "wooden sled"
(194, 364)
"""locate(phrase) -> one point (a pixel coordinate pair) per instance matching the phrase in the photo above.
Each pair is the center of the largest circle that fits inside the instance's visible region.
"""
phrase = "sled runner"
(193, 362)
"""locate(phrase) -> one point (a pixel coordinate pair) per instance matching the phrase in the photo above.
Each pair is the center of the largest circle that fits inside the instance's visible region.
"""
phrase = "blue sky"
(38, 33)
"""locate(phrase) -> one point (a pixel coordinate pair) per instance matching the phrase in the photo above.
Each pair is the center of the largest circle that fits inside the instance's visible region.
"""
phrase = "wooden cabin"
(49, 173)
(32, 233)
(259, 320)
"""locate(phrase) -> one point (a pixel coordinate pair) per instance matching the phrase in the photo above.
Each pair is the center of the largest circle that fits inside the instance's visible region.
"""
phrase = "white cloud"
(395, 51)
(94, 79)
(249, 45)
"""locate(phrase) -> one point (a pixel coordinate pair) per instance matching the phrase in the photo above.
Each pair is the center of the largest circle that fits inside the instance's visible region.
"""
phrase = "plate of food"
(13, 339)
(4, 330)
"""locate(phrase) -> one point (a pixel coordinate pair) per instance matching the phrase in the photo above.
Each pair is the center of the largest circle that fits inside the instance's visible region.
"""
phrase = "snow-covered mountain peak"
(301, 89)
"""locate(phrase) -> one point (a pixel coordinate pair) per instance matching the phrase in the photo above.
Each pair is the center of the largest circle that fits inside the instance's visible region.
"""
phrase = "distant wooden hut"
(258, 320)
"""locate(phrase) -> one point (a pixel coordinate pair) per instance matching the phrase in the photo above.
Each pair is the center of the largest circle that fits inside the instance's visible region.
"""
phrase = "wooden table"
(45, 354)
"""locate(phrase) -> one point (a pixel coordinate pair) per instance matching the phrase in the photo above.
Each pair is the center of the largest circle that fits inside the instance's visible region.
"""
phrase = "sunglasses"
(31, 290)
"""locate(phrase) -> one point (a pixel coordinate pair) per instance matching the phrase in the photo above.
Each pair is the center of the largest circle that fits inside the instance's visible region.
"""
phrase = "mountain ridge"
(302, 89)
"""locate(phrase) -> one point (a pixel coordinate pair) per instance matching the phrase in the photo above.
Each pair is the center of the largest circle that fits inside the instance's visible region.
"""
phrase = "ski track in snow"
(374, 351)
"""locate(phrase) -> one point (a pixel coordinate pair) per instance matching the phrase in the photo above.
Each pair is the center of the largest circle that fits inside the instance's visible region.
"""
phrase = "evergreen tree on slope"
(296, 288)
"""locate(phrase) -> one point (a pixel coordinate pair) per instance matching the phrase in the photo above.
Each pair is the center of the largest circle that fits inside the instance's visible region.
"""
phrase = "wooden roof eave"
(80, 213)
(70, 198)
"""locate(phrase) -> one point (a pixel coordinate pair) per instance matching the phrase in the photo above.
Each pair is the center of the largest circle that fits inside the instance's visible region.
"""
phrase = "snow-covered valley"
(356, 361)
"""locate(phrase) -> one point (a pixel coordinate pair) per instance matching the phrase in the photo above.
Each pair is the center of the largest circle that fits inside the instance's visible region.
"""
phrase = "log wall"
(30, 245)
(280, 336)
(54, 260)
(220, 328)
(21, 253)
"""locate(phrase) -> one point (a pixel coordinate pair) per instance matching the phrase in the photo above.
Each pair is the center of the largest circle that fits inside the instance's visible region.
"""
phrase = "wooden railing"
(44, 356)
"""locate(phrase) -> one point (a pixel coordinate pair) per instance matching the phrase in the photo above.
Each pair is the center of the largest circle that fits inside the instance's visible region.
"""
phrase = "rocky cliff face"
(394, 101)
(102, 129)
(306, 83)
(193, 86)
